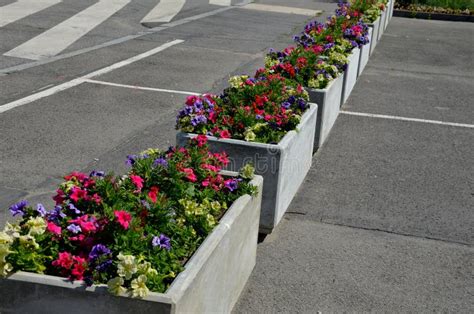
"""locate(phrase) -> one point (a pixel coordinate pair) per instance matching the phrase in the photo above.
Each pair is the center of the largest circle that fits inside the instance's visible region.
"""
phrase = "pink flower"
(77, 194)
(137, 181)
(225, 134)
(190, 100)
(210, 168)
(64, 260)
(123, 218)
(190, 174)
(79, 268)
(53, 228)
(59, 198)
(88, 224)
(201, 140)
(153, 193)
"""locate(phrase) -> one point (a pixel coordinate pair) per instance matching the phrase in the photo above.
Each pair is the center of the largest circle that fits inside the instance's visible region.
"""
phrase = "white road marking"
(381, 116)
(22, 8)
(164, 11)
(281, 9)
(221, 2)
(58, 38)
(171, 91)
(82, 79)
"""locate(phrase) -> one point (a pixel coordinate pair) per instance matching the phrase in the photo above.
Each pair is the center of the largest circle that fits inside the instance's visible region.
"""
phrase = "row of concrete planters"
(351, 73)
(283, 165)
(375, 33)
(328, 101)
(364, 54)
(211, 282)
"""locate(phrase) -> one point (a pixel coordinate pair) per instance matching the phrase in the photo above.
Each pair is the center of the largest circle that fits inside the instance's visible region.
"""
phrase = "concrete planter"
(392, 3)
(375, 34)
(388, 12)
(350, 75)
(364, 54)
(328, 101)
(283, 165)
(383, 18)
(211, 282)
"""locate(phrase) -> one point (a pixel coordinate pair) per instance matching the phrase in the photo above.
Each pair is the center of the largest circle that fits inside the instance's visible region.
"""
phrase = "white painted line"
(82, 79)
(171, 91)
(164, 11)
(381, 116)
(58, 38)
(22, 8)
(281, 9)
(221, 2)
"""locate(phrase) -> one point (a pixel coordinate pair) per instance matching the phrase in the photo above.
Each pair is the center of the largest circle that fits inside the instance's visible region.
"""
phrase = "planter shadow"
(211, 282)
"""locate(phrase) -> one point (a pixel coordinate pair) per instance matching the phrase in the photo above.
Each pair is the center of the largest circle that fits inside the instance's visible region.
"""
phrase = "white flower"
(115, 286)
(127, 266)
(37, 226)
(139, 288)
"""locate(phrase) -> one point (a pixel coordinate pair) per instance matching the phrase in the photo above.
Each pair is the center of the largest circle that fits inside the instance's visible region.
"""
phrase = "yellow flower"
(236, 81)
(210, 220)
(127, 266)
(5, 269)
(247, 171)
(115, 286)
(5, 238)
(191, 207)
(139, 288)
(37, 226)
(12, 229)
(150, 151)
(4, 252)
(146, 269)
(249, 135)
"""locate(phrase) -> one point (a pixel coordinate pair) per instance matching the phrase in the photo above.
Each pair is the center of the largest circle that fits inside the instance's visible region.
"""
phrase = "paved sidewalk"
(385, 219)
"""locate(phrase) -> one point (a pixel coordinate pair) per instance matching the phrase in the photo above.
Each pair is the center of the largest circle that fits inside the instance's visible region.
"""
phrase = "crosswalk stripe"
(58, 38)
(22, 8)
(164, 11)
(220, 2)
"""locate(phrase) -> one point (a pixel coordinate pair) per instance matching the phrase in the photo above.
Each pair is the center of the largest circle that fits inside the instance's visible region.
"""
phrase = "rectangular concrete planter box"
(350, 75)
(283, 166)
(364, 54)
(328, 101)
(375, 34)
(211, 282)
(392, 3)
(383, 17)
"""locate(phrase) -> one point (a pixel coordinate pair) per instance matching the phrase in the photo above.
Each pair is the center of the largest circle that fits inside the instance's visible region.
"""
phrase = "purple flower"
(286, 105)
(96, 173)
(41, 210)
(162, 241)
(73, 209)
(198, 105)
(18, 208)
(74, 228)
(97, 251)
(160, 162)
(131, 159)
(104, 265)
(56, 214)
(199, 119)
(231, 184)
(258, 117)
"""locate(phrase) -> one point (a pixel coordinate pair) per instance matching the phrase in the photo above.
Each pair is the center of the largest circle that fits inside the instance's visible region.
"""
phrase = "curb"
(433, 16)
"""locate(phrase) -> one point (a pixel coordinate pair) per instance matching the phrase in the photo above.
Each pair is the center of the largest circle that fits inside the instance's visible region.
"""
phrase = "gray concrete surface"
(385, 219)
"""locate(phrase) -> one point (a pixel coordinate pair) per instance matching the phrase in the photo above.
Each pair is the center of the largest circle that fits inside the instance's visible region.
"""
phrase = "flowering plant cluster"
(369, 9)
(322, 49)
(133, 233)
(261, 109)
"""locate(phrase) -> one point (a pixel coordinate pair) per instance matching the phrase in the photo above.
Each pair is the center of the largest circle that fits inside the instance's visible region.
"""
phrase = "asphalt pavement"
(385, 219)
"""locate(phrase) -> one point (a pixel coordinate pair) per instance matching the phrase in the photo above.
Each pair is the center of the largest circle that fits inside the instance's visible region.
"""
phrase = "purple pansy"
(162, 241)
(18, 208)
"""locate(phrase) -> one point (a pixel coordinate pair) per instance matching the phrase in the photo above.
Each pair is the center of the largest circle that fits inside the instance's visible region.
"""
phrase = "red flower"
(88, 224)
(201, 140)
(79, 176)
(123, 218)
(64, 260)
(54, 228)
(79, 268)
(59, 198)
(137, 181)
(190, 100)
(225, 134)
(190, 174)
(152, 194)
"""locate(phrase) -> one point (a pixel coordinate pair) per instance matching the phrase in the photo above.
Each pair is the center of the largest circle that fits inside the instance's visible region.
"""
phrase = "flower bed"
(135, 233)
